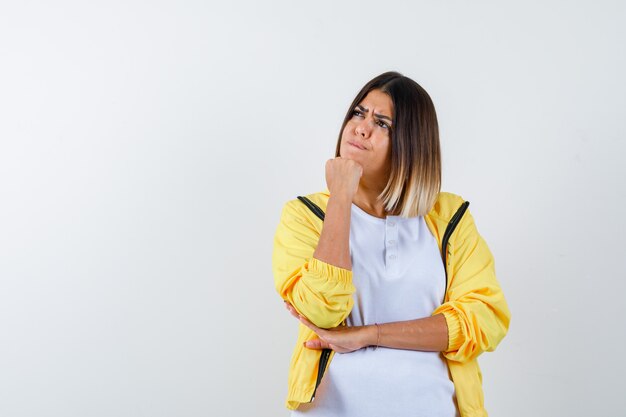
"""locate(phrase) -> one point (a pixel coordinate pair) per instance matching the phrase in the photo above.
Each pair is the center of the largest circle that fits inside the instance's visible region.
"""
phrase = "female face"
(366, 137)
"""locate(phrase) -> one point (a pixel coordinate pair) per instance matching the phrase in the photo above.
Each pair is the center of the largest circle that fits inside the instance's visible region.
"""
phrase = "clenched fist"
(343, 176)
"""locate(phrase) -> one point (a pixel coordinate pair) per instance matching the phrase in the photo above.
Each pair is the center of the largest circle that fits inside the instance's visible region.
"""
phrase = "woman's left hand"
(341, 339)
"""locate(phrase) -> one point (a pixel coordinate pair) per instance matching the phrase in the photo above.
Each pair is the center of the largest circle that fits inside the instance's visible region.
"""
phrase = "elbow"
(321, 292)
(325, 303)
(328, 316)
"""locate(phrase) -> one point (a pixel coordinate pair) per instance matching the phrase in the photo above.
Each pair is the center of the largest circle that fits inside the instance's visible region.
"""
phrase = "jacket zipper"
(446, 236)
(320, 370)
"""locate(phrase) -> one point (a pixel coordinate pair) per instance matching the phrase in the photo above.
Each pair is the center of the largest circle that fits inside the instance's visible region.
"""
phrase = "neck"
(366, 197)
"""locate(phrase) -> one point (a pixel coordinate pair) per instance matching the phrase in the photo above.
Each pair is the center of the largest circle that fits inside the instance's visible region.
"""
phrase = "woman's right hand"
(343, 176)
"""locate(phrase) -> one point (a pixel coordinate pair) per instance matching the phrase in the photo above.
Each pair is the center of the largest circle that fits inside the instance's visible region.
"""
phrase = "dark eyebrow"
(380, 116)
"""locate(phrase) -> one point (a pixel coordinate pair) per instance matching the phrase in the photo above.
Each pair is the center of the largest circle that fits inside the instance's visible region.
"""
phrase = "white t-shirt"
(398, 274)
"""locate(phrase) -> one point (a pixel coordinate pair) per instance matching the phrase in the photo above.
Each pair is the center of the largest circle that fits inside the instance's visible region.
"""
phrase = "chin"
(348, 152)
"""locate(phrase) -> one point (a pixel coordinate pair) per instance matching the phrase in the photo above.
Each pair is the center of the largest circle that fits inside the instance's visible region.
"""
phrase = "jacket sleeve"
(476, 312)
(319, 291)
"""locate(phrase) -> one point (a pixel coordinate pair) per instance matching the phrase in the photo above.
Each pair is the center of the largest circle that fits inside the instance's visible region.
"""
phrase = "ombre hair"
(415, 176)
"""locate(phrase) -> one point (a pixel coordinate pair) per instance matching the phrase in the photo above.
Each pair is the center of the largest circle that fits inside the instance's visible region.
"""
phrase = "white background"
(147, 148)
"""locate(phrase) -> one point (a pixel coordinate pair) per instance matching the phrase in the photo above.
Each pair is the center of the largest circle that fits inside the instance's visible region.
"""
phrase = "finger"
(292, 310)
(302, 319)
(316, 344)
(311, 326)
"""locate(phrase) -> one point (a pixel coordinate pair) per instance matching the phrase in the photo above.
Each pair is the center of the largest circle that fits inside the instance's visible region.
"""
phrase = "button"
(392, 256)
(392, 224)
(392, 242)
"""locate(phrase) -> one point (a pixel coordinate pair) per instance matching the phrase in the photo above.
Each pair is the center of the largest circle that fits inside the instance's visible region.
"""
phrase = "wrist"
(340, 199)
(372, 334)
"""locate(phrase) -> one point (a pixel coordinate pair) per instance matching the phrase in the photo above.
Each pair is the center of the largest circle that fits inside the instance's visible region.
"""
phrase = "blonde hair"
(415, 178)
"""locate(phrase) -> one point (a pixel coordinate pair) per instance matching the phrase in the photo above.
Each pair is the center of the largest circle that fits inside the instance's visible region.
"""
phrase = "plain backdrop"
(147, 148)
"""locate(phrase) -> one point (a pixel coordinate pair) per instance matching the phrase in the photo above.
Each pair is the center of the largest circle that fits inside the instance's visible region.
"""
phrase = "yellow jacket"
(476, 312)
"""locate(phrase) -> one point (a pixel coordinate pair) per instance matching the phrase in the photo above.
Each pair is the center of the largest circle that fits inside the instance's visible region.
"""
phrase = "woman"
(360, 265)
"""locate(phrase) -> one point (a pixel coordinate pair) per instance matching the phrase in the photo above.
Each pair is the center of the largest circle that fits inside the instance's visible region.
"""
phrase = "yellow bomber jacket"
(474, 307)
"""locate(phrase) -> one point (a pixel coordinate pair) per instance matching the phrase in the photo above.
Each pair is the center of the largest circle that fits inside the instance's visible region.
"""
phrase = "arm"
(334, 243)
(476, 313)
(426, 334)
(312, 270)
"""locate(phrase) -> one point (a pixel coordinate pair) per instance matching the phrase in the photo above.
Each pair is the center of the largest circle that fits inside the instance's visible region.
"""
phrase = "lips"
(356, 145)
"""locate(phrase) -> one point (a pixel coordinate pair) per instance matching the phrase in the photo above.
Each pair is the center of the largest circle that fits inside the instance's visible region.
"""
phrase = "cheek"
(344, 135)
(385, 151)
(346, 129)
(342, 145)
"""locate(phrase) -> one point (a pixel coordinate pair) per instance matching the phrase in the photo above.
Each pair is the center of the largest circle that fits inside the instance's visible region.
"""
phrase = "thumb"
(316, 344)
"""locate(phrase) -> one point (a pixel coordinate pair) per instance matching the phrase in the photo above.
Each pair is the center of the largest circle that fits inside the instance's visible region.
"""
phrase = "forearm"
(426, 334)
(334, 243)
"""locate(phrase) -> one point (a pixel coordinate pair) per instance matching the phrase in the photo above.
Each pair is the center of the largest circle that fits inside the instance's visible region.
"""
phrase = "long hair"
(415, 176)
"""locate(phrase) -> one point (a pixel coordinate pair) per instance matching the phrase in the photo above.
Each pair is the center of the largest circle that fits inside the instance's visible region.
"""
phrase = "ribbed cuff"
(455, 330)
(332, 272)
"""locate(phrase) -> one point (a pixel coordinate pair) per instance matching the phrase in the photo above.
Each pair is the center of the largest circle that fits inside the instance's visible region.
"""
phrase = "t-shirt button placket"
(391, 247)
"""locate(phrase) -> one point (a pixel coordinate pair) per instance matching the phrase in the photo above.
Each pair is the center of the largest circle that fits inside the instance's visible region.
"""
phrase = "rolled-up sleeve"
(318, 290)
(476, 311)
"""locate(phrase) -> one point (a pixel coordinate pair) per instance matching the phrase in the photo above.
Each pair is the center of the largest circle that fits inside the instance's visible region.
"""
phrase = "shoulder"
(295, 210)
(320, 199)
(446, 205)
(445, 208)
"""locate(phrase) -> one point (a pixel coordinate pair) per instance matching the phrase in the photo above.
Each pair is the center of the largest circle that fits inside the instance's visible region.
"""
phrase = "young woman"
(386, 327)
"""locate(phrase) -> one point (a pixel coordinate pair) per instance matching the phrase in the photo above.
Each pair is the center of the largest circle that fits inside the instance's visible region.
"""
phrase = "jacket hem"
(297, 397)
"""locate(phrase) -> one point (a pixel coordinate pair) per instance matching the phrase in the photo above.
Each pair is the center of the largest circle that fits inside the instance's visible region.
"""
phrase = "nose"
(363, 128)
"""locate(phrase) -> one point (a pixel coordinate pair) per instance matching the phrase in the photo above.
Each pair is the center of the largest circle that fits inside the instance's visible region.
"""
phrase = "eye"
(382, 124)
(357, 113)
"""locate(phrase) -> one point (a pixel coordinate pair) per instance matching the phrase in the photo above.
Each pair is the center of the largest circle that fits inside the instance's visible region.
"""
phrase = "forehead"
(378, 101)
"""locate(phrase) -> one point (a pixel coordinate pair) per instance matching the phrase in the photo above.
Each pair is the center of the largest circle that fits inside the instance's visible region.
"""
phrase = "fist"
(343, 176)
